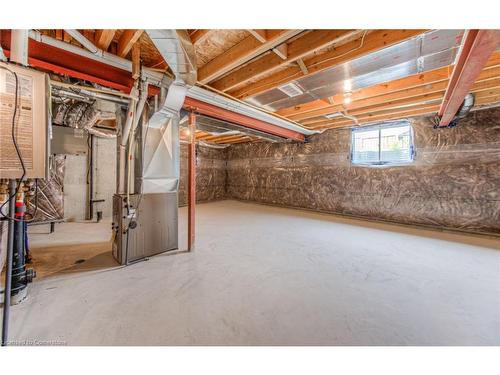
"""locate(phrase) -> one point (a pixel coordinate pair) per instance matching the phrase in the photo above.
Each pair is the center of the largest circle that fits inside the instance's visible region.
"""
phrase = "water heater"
(31, 122)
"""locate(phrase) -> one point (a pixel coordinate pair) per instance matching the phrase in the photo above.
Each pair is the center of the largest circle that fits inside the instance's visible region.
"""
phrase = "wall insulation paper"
(50, 192)
(30, 124)
(454, 181)
(210, 174)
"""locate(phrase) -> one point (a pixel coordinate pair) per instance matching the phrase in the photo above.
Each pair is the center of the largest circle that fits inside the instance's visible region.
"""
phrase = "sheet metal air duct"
(176, 48)
(161, 147)
(466, 107)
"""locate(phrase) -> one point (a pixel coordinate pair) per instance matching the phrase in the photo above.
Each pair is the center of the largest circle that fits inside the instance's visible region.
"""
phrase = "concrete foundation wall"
(104, 174)
(73, 145)
(75, 187)
(453, 183)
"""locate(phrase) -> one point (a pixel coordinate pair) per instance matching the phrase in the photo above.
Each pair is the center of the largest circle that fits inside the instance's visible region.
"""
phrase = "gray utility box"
(156, 229)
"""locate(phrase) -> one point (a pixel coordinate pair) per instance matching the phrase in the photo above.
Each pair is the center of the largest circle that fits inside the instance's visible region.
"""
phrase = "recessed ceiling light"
(347, 85)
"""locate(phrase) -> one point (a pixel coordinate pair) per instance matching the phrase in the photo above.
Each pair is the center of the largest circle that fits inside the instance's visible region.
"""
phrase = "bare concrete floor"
(73, 247)
(272, 276)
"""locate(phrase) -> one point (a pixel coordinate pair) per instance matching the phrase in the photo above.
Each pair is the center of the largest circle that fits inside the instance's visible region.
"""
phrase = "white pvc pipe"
(19, 46)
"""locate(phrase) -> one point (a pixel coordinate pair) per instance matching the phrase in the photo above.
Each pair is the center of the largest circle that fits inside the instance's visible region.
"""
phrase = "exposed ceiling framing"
(245, 64)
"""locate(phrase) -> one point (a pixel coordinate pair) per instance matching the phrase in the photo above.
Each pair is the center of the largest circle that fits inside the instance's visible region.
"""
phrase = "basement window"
(383, 144)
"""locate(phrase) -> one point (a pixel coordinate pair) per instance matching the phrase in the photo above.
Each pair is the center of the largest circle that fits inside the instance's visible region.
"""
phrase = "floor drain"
(80, 261)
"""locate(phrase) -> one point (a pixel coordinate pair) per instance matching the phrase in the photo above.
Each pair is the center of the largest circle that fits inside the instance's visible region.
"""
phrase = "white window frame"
(379, 127)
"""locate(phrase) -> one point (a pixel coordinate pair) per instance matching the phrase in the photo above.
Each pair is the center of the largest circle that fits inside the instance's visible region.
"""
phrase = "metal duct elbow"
(177, 50)
(466, 106)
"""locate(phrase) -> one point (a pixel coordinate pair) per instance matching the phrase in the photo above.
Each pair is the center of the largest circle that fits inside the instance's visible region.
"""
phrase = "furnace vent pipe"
(466, 106)
(19, 46)
(124, 138)
(177, 50)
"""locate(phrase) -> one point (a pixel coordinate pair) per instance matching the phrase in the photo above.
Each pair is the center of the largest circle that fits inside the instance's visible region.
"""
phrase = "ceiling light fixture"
(347, 98)
(347, 85)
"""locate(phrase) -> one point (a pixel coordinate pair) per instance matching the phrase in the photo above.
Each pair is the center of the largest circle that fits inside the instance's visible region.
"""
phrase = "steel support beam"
(57, 60)
(191, 180)
(477, 47)
(236, 118)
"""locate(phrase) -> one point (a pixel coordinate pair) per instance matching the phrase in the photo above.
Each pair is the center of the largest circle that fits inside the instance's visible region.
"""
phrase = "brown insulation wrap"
(454, 181)
(210, 174)
(51, 192)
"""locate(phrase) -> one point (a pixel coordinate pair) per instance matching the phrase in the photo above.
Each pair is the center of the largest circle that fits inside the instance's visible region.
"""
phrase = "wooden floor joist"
(412, 90)
(360, 47)
(300, 47)
(242, 52)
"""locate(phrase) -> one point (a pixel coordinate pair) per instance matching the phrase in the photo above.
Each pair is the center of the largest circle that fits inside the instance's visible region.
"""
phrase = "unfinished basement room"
(250, 187)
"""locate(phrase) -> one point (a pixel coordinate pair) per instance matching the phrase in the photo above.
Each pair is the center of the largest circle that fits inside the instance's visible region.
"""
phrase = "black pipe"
(90, 144)
(19, 281)
(8, 271)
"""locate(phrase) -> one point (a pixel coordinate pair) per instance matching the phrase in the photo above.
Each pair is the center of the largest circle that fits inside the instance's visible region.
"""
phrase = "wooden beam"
(488, 100)
(302, 66)
(300, 47)
(198, 36)
(136, 60)
(241, 140)
(476, 49)
(394, 105)
(228, 139)
(378, 117)
(89, 34)
(428, 94)
(281, 51)
(426, 83)
(260, 35)
(241, 53)
(66, 37)
(418, 84)
(401, 98)
(127, 40)
(372, 42)
(104, 37)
